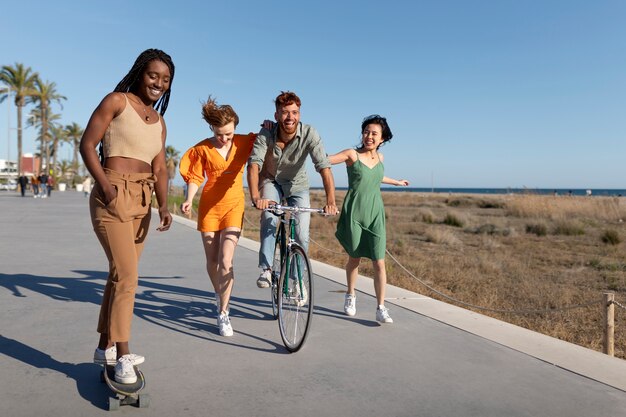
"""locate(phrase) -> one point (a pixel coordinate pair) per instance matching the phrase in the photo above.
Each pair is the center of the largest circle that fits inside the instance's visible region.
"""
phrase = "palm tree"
(74, 133)
(65, 168)
(171, 162)
(21, 80)
(59, 135)
(46, 94)
(35, 120)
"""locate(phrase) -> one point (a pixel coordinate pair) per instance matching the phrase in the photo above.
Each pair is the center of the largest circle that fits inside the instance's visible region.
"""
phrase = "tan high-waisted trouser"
(122, 227)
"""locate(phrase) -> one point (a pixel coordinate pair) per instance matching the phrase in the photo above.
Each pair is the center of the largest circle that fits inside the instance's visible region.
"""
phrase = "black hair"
(377, 120)
(129, 82)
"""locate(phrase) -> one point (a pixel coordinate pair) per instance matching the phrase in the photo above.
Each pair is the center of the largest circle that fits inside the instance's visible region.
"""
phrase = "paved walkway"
(435, 360)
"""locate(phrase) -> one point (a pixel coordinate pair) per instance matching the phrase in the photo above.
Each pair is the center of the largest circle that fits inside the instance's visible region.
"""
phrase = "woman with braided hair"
(130, 129)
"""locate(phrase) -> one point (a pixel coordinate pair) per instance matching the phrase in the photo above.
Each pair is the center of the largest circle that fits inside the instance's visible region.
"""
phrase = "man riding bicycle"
(277, 172)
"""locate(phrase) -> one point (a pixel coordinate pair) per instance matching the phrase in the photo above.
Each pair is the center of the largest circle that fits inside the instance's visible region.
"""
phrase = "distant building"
(30, 164)
(8, 169)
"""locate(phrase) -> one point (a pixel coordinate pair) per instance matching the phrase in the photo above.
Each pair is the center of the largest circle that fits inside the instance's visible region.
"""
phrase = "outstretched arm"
(400, 183)
(340, 157)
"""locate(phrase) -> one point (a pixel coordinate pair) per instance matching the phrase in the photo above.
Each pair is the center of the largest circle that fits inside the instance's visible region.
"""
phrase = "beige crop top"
(130, 137)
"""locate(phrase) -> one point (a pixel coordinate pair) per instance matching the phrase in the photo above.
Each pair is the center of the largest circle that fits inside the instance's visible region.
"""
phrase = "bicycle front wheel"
(276, 268)
(295, 300)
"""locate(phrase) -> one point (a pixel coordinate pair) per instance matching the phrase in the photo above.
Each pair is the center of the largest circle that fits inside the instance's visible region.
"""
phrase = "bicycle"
(291, 284)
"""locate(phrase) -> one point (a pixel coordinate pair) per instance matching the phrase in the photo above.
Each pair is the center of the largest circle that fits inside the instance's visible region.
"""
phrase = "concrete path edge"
(577, 359)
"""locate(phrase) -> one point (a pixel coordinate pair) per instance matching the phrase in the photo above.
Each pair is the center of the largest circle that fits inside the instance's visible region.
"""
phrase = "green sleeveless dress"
(361, 225)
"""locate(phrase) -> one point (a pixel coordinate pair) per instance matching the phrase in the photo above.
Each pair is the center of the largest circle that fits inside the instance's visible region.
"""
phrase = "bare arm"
(329, 188)
(340, 157)
(108, 108)
(402, 183)
(253, 187)
(159, 169)
(192, 189)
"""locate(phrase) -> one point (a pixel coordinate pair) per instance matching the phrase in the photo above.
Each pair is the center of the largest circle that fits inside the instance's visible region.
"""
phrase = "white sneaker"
(124, 370)
(223, 321)
(301, 299)
(382, 315)
(349, 306)
(265, 279)
(109, 357)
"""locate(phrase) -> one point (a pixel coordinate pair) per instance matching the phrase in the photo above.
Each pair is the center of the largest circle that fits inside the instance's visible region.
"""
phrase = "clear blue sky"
(497, 93)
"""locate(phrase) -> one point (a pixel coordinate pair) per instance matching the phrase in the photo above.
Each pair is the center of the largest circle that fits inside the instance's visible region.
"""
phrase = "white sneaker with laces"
(109, 357)
(301, 299)
(223, 321)
(349, 306)
(125, 371)
(265, 279)
(382, 315)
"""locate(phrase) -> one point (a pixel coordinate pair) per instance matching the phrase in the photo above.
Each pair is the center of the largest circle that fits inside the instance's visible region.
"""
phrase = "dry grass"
(490, 259)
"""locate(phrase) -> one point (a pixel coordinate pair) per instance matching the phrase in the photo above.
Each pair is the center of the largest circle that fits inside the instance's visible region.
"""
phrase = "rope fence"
(607, 301)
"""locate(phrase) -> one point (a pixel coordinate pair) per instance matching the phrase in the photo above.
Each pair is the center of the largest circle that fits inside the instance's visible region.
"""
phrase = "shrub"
(426, 216)
(611, 237)
(490, 204)
(568, 229)
(442, 236)
(453, 220)
(486, 229)
(538, 229)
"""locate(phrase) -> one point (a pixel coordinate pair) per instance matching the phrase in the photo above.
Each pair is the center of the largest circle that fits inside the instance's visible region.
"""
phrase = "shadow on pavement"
(86, 375)
(185, 310)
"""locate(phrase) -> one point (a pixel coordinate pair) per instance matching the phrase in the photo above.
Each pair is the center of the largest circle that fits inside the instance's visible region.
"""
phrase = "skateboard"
(125, 394)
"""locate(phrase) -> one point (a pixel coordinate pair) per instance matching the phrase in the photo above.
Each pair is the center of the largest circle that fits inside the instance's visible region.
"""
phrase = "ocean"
(539, 191)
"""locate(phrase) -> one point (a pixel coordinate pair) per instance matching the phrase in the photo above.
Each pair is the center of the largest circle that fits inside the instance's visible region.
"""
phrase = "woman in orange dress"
(220, 161)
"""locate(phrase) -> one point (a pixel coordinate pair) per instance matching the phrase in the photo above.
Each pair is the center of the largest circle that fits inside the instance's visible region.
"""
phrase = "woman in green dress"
(361, 226)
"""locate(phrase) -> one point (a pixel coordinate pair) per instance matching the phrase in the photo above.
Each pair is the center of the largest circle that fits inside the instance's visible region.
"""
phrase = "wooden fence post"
(609, 323)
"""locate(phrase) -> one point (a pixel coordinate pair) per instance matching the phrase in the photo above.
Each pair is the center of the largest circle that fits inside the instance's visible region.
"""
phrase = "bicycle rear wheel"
(295, 299)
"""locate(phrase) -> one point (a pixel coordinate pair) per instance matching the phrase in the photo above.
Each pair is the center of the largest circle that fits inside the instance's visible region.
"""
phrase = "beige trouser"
(121, 227)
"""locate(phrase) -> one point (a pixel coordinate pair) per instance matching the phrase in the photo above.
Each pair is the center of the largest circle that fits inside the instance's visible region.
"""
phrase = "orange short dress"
(222, 200)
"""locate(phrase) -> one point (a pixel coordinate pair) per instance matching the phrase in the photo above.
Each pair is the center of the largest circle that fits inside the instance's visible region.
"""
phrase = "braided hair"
(129, 82)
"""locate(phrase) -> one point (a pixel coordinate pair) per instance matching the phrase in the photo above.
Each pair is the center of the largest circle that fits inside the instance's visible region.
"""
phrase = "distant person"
(86, 185)
(277, 171)
(361, 227)
(49, 185)
(34, 183)
(43, 186)
(130, 125)
(220, 161)
(23, 182)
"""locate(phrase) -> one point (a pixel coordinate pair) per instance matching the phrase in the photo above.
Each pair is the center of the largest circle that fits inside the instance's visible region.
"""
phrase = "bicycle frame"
(286, 216)
(292, 288)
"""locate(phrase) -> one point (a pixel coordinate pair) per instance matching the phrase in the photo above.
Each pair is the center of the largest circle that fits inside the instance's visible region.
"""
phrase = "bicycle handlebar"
(279, 208)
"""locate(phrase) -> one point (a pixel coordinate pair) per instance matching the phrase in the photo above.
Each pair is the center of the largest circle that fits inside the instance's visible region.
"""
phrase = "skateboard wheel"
(144, 401)
(114, 404)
